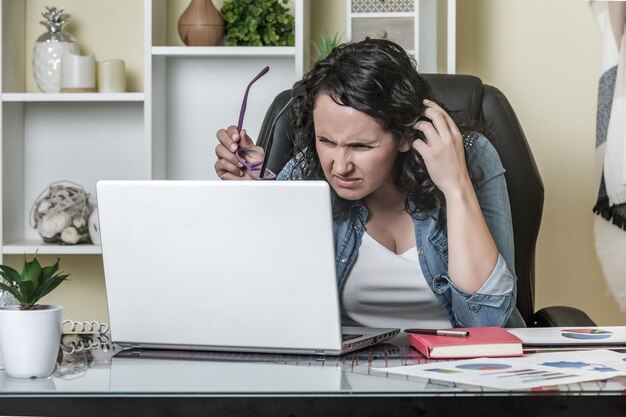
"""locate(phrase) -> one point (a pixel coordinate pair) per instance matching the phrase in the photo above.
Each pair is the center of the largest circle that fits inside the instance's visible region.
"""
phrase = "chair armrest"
(560, 316)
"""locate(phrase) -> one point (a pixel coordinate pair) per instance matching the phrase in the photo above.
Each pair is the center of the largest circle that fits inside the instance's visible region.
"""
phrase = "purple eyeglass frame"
(257, 170)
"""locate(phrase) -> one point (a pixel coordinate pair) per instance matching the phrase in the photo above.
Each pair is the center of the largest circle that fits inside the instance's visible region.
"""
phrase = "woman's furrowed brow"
(322, 137)
(352, 142)
(363, 142)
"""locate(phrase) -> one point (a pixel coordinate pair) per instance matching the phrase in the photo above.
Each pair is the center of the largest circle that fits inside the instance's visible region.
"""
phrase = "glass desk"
(96, 383)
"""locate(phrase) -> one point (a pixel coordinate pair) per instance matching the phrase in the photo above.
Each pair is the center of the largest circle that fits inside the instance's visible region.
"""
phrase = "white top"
(385, 289)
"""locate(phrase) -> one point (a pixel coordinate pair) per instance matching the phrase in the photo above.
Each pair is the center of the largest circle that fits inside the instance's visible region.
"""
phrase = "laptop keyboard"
(345, 337)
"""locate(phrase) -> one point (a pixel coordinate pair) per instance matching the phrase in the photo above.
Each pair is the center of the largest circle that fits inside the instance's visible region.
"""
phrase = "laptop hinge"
(320, 352)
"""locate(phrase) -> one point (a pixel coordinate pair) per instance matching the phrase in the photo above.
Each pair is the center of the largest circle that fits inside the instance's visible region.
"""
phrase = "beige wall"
(83, 294)
(87, 26)
(544, 55)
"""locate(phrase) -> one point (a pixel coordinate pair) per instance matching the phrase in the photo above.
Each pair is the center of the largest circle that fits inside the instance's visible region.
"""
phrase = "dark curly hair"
(378, 78)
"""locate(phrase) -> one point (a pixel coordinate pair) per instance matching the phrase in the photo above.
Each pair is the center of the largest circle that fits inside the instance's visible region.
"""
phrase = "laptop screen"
(231, 264)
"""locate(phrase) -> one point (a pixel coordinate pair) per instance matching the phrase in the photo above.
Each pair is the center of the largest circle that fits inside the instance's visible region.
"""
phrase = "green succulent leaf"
(50, 270)
(33, 283)
(27, 288)
(15, 292)
(9, 274)
(49, 285)
(31, 270)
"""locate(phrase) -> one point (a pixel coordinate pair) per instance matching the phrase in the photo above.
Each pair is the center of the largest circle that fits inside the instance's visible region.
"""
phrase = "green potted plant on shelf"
(258, 23)
(30, 333)
(326, 44)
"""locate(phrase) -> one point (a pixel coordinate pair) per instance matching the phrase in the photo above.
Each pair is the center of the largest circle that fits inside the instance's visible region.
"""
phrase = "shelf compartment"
(89, 24)
(52, 97)
(46, 143)
(184, 134)
(225, 51)
(35, 246)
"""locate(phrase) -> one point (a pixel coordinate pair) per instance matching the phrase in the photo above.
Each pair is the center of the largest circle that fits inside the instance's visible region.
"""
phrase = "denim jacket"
(494, 302)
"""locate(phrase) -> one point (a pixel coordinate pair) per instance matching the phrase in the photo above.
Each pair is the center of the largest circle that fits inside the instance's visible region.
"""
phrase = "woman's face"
(356, 154)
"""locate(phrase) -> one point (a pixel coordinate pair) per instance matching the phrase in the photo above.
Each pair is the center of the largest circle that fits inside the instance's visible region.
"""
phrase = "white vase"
(30, 340)
(47, 64)
(94, 227)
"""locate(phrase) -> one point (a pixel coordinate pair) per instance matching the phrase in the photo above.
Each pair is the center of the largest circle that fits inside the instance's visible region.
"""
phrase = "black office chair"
(488, 104)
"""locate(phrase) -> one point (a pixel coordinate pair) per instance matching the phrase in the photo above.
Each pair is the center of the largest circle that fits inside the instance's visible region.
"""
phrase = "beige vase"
(201, 24)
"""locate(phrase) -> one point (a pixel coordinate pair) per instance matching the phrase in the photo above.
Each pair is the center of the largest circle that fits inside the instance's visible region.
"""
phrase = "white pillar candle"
(111, 76)
(78, 73)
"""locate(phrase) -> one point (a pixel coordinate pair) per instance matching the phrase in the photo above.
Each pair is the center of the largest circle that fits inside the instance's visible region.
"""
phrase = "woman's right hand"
(227, 166)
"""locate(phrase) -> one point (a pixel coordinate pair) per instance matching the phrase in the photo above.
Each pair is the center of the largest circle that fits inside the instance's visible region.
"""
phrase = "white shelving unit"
(225, 51)
(30, 246)
(413, 24)
(167, 131)
(85, 97)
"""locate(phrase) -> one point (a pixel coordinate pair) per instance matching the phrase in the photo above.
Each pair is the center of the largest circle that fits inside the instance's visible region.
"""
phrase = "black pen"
(437, 332)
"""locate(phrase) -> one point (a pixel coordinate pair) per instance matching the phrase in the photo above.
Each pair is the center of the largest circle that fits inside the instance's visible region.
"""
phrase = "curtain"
(610, 225)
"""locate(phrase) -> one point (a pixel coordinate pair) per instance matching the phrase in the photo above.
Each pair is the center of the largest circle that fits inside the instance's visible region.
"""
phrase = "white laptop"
(224, 265)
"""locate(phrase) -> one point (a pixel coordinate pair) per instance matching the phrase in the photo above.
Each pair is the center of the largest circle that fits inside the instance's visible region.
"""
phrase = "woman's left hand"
(443, 151)
(472, 252)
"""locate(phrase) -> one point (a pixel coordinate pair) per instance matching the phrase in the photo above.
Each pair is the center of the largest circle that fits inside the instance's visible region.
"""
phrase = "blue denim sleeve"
(291, 170)
(495, 300)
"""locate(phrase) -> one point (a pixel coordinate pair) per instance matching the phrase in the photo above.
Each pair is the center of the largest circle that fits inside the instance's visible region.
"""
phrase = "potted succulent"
(30, 333)
(326, 44)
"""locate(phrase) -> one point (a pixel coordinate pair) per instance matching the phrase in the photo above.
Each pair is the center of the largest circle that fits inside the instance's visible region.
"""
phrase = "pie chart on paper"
(586, 334)
(483, 366)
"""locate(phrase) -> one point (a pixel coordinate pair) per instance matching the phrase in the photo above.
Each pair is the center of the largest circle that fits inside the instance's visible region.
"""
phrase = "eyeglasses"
(258, 169)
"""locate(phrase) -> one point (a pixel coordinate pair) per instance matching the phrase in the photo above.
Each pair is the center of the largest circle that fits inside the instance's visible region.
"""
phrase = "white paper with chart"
(522, 373)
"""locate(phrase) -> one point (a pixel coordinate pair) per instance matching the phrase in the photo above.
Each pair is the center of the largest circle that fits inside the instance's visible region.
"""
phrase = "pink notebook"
(481, 342)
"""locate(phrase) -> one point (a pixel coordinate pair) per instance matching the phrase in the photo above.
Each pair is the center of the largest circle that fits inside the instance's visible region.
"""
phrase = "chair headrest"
(461, 92)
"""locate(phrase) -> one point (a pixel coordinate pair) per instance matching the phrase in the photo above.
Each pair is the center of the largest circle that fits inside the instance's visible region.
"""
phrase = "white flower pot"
(30, 340)
(6, 299)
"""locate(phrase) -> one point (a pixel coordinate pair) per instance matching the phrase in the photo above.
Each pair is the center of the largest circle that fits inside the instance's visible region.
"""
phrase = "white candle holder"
(78, 73)
(112, 76)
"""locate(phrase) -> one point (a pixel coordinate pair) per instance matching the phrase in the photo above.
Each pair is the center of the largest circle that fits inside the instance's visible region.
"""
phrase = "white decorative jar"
(50, 48)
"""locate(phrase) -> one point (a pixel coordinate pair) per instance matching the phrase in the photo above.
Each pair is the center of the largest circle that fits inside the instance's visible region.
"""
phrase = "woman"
(422, 221)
